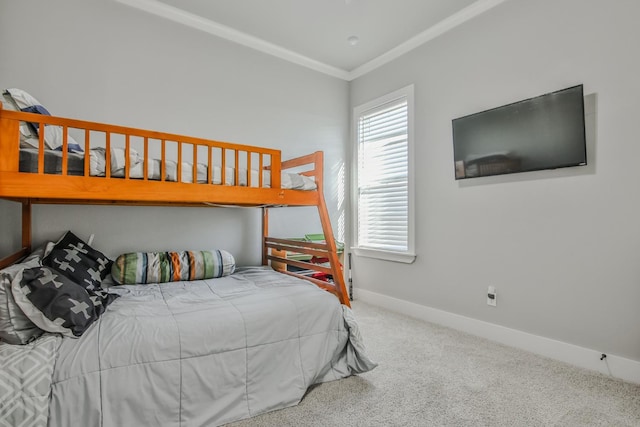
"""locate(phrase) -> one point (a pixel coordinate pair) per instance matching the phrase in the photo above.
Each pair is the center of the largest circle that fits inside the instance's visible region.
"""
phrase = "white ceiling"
(315, 33)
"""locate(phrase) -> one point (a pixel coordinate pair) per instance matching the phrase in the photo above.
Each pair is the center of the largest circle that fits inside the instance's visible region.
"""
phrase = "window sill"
(405, 257)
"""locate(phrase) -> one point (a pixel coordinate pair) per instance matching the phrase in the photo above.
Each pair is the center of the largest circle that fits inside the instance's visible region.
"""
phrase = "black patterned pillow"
(100, 299)
(78, 261)
(53, 302)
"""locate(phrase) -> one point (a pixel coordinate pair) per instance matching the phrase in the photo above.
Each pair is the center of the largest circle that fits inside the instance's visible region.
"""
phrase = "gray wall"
(100, 60)
(561, 247)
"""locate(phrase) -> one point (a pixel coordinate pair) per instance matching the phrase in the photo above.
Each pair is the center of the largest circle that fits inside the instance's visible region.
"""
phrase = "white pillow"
(27, 138)
(52, 134)
(97, 162)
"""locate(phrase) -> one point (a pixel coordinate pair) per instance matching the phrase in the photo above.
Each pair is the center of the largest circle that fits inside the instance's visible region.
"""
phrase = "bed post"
(9, 143)
(336, 267)
(26, 225)
(26, 237)
(265, 234)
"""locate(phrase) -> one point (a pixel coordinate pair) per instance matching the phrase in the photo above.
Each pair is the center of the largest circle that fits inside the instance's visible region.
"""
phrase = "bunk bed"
(253, 308)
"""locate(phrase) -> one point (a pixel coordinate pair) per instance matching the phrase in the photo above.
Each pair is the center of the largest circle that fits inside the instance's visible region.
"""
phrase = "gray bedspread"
(204, 353)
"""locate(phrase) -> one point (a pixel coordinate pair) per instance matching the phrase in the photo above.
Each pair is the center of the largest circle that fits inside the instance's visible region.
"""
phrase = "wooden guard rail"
(278, 248)
(151, 146)
(217, 152)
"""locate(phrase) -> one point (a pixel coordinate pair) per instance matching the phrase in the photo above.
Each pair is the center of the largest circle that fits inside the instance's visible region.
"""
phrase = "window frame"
(407, 256)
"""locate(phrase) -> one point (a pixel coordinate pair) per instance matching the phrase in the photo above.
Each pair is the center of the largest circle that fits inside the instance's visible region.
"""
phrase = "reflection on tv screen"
(545, 132)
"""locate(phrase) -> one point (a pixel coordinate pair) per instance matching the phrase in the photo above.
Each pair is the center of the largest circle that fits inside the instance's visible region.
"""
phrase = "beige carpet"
(429, 375)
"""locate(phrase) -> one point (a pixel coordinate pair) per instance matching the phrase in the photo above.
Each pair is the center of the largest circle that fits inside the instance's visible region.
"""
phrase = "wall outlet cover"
(491, 296)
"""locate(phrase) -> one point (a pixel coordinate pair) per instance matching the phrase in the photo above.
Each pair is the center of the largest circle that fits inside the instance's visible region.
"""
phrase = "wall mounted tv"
(545, 132)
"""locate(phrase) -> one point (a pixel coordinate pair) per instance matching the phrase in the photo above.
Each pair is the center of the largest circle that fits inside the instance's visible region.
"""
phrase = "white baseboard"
(613, 366)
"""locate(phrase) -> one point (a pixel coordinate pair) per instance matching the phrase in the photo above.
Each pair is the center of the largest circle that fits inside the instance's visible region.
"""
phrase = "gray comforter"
(204, 353)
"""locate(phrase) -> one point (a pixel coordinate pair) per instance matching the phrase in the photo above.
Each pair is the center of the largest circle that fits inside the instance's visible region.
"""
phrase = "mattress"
(204, 353)
(52, 162)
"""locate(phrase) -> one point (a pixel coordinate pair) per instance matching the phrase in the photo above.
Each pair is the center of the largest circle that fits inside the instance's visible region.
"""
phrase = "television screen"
(545, 132)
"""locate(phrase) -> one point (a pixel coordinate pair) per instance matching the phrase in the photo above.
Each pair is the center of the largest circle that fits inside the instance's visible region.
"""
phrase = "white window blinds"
(383, 178)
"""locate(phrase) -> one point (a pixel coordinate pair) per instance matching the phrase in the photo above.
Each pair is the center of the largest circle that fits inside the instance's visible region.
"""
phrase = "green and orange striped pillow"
(161, 267)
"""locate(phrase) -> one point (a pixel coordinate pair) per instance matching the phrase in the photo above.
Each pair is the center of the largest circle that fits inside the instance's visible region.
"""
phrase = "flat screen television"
(545, 132)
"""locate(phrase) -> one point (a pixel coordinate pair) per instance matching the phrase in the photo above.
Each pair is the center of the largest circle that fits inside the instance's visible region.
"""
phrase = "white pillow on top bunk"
(28, 139)
(296, 181)
(52, 134)
(291, 181)
(98, 164)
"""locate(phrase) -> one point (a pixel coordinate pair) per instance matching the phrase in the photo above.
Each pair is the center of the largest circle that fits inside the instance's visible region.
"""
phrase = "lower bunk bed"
(181, 353)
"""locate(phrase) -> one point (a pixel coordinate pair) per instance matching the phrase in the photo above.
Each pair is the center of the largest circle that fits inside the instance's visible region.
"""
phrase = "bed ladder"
(275, 250)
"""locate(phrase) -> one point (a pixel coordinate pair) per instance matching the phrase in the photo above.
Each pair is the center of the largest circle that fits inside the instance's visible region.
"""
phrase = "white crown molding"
(181, 16)
(438, 29)
(164, 10)
(613, 366)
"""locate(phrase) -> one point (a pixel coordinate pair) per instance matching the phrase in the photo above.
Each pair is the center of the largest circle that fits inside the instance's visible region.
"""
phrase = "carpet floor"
(429, 375)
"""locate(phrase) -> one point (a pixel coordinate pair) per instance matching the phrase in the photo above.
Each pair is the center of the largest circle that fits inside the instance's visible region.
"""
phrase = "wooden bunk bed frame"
(30, 188)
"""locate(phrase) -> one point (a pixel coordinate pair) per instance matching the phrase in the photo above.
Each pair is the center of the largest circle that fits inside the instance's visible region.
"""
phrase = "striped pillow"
(161, 267)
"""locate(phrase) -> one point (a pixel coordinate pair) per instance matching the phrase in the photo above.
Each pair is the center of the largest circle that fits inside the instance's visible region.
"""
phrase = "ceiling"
(342, 38)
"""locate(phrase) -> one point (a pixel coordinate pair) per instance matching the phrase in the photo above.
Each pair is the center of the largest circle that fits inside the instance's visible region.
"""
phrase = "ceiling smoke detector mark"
(353, 40)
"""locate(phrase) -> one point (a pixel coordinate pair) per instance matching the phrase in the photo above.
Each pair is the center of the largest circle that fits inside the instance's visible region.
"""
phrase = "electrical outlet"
(491, 296)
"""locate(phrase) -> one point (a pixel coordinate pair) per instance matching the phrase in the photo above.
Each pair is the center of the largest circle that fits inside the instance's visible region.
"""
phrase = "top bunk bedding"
(44, 160)
(53, 159)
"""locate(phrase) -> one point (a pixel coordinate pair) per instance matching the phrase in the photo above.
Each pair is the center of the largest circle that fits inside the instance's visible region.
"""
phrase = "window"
(383, 202)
